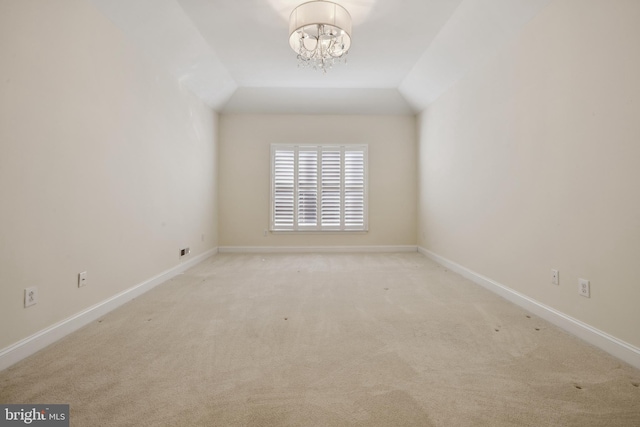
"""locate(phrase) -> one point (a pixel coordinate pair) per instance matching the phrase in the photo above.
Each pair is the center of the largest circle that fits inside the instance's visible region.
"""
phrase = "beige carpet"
(325, 340)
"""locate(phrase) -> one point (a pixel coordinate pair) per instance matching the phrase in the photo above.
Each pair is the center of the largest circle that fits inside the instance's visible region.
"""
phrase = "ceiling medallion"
(320, 34)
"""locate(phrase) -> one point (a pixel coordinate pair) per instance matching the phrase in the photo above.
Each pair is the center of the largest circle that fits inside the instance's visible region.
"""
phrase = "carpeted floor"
(325, 340)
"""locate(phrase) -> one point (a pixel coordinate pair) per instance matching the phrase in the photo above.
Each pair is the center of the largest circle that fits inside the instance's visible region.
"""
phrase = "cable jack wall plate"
(82, 279)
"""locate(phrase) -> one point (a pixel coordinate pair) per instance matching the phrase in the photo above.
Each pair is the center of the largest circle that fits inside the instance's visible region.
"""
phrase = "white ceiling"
(234, 54)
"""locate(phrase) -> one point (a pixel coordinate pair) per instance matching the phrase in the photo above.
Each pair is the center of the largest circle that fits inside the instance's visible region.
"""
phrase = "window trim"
(318, 228)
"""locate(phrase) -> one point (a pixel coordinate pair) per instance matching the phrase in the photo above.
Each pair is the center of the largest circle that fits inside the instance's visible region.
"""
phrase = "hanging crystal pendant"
(320, 34)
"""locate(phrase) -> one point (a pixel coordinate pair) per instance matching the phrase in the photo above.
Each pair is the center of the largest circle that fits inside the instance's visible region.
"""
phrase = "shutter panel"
(354, 189)
(307, 188)
(283, 189)
(331, 186)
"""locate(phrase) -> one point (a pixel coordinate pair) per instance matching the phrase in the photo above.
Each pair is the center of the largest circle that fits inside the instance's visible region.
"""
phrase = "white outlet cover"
(30, 296)
(584, 288)
(555, 277)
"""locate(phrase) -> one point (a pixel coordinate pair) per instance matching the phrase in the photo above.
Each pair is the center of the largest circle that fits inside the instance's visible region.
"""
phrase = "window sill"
(310, 232)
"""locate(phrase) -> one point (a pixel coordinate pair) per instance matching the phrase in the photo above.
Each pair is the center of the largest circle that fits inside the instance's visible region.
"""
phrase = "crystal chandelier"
(320, 34)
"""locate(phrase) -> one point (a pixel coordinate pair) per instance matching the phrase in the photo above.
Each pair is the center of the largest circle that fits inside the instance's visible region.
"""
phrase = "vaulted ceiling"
(235, 56)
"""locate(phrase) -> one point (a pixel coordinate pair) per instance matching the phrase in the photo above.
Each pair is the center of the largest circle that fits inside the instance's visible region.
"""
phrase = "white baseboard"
(28, 346)
(311, 249)
(612, 345)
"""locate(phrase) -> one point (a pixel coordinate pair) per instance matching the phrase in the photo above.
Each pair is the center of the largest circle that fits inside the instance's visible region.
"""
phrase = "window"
(319, 188)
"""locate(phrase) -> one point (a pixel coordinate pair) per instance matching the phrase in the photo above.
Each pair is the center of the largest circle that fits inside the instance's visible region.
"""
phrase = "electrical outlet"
(82, 279)
(30, 296)
(584, 288)
(184, 252)
(555, 277)
(264, 233)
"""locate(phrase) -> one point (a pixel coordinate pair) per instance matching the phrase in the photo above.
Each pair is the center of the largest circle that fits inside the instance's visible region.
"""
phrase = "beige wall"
(106, 164)
(245, 176)
(531, 163)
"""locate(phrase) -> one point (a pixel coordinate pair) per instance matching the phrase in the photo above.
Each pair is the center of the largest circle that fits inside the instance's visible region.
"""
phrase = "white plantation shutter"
(319, 188)
(354, 189)
(283, 189)
(307, 188)
(331, 188)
